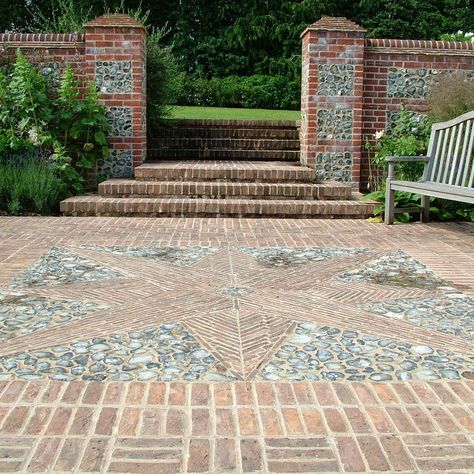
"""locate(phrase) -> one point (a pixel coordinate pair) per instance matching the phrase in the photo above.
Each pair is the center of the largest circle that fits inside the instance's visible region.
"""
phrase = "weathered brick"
(175, 422)
(248, 424)
(251, 455)
(373, 454)
(222, 394)
(396, 453)
(70, 455)
(44, 454)
(106, 422)
(94, 454)
(334, 420)
(349, 454)
(225, 457)
(198, 455)
(224, 422)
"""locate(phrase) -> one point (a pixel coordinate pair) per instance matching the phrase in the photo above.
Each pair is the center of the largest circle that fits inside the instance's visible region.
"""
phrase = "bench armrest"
(392, 160)
(398, 159)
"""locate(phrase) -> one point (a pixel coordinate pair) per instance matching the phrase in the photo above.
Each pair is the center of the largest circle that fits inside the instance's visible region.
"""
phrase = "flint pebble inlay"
(336, 79)
(120, 121)
(327, 353)
(23, 314)
(335, 124)
(114, 76)
(58, 266)
(166, 353)
(282, 257)
(179, 256)
(119, 164)
(450, 313)
(336, 166)
(397, 269)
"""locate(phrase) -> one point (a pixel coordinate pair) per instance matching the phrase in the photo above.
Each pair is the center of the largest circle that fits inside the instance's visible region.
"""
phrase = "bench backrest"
(451, 152)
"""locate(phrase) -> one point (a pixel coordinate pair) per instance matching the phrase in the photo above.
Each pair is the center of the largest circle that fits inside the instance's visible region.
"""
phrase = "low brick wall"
(111, 52)
(353, 87)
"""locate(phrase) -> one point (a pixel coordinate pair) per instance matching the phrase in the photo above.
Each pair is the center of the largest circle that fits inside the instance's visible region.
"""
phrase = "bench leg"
(389, 205)
(425, 204)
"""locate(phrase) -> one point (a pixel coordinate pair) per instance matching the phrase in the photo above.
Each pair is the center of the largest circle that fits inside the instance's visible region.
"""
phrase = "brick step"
(224, 154)
(209, 132)
(94, 205)
(223, 144)
(124, 188)
(247, 171)
(235, 124)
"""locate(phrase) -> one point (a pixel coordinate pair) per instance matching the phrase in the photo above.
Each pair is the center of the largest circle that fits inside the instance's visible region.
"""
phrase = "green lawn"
(222, 113)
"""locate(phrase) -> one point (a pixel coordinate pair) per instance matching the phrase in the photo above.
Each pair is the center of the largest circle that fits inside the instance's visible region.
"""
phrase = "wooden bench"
(448, 171)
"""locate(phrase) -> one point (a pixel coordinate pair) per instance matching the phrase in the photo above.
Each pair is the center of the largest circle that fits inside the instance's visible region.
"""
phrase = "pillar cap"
(334, 23)
(114, 19)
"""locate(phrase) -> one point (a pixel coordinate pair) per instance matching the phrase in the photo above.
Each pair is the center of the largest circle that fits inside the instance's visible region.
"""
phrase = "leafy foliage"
(409, 137)
(452, 96)
(258, 91)
(217, 39)
(68, 129)
(29, 183)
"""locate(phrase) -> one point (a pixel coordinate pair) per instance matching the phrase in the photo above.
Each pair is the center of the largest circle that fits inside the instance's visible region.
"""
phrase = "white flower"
(33, 136)
(378, 135)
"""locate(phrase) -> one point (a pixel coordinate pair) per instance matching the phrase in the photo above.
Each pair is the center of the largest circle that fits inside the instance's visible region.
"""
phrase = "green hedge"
(258, 91)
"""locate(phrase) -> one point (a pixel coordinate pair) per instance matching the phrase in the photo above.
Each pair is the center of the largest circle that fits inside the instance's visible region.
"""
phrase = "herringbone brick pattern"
(243, 426)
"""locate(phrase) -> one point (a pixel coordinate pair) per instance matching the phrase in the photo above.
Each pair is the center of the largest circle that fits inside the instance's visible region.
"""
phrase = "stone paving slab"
(235, 345)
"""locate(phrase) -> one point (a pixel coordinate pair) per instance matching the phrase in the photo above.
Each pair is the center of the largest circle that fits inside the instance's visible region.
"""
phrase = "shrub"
(258, 91)
(163, 78)
(29, 183)
(69, 129)
(409, 137)
(451, 96)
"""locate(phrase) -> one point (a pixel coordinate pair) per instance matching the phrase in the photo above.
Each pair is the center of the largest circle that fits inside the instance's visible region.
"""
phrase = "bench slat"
(470, 159)
(439, 154)
(456, 164)
(448, 160)
(444, 191)
(463, 158)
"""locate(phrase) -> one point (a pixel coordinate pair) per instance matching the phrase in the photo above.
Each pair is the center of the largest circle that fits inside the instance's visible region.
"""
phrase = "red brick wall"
(382, 54)
(337, 41)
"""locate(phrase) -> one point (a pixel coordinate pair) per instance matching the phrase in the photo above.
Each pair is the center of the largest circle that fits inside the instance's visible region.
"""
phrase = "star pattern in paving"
(237, 306)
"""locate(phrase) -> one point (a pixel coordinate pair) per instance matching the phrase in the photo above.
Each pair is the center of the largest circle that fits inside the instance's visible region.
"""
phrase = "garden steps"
(125, 188)
(95, 205)
(225, 139)
(242, 171)
(206, 153)
(195, 143)
(209, 168)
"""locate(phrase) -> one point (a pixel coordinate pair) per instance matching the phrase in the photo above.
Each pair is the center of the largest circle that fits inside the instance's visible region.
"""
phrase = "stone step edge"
(194, 123)
(96, 206)
(257, 175)
(224, 143)
(228, 132)
(237, 154)
(124, 188)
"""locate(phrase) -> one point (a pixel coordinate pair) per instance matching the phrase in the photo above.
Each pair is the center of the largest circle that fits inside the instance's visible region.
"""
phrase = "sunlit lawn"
(223, 113)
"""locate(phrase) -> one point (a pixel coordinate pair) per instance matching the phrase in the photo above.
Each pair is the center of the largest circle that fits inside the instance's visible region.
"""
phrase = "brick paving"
(247, 425)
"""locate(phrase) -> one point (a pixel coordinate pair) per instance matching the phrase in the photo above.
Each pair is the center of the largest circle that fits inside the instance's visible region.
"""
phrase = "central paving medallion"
(234, 291)
(216, 314)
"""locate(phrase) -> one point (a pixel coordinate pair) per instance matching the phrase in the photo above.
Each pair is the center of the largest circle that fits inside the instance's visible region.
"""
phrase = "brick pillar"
(331, 99)
(115, 56)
